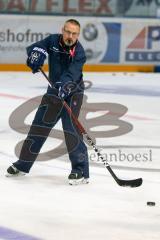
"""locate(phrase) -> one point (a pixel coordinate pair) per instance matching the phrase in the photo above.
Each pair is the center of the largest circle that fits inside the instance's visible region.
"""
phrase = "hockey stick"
(124, 183)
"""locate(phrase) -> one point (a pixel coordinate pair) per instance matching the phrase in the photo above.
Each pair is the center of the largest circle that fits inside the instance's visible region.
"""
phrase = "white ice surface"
(43, 205)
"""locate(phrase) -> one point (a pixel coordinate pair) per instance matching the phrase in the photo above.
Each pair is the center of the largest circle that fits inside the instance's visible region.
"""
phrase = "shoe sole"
(78, 181)
(20, 174)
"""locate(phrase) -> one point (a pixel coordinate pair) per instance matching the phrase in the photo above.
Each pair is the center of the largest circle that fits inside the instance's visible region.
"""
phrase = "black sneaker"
(12, 171)
(77, 178)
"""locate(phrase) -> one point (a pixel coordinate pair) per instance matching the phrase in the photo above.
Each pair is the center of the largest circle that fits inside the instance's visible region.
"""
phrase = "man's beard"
(69, 42)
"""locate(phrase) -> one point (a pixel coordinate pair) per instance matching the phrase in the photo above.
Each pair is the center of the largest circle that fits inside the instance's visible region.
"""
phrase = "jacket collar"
(68, 49)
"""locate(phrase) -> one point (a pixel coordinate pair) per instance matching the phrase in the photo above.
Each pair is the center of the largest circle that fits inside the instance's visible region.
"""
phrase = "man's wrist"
(41, 50)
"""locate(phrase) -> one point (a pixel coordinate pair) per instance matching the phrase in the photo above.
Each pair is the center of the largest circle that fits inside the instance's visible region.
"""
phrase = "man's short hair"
(73, 21)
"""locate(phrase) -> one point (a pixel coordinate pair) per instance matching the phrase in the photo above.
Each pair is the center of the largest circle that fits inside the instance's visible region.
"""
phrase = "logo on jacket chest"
(67, 54)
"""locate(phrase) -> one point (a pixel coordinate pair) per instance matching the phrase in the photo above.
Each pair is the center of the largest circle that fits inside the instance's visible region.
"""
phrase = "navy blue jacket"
(63, 67)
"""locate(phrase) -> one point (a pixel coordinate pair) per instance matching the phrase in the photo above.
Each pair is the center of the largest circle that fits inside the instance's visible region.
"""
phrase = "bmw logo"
(90, 32)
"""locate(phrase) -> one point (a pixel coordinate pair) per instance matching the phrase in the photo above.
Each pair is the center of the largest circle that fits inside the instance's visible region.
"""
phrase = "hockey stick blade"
(124, 183)
(130, 183)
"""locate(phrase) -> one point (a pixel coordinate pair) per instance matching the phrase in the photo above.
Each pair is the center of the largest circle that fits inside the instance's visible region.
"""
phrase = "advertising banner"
(101, 7)
(141, 45)
(106, 41)
(141, 8)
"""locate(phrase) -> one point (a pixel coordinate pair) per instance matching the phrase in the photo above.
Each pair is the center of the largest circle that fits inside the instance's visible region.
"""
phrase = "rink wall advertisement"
(147, 8)
(106, 40)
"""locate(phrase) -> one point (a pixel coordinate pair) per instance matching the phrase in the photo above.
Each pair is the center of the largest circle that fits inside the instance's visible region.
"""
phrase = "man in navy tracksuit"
(66, 58)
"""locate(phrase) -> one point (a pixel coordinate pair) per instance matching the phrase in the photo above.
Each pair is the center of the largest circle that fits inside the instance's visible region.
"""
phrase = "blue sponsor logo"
(112, 54)
(144, 47)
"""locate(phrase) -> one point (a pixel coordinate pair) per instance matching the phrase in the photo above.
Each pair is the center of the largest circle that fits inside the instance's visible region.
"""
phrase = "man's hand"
(36, 59)
(64, 91)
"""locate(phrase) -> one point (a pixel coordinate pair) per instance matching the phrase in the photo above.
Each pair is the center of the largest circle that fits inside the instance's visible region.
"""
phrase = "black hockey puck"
(151, 204)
